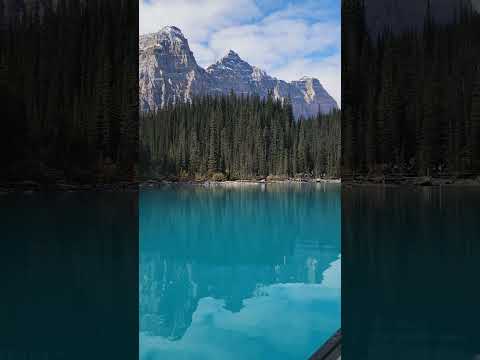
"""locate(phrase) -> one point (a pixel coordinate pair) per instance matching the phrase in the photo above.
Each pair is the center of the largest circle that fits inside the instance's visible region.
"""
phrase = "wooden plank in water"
(331, 350)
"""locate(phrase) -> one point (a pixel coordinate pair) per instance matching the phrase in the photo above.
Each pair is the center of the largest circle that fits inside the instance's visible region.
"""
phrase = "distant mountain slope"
(169, 73)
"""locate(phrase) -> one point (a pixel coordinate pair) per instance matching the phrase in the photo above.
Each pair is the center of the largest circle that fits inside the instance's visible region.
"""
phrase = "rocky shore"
(28, 187)
(419, 181)
(152, 183)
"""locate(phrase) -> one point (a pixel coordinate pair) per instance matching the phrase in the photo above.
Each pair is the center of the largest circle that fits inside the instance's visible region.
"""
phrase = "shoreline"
(152, 183)
(29, 187)
(413, 181)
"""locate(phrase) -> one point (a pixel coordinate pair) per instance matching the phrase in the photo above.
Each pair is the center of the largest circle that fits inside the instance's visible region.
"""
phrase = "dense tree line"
(69, 81)
(411, 98)
(238, 137)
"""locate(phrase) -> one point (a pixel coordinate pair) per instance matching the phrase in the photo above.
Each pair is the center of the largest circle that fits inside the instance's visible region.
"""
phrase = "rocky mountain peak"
(308, 79)
(231, 63)
(172, 35)
(232, 55)
(168, 38)
(172, 30)
(169, 73)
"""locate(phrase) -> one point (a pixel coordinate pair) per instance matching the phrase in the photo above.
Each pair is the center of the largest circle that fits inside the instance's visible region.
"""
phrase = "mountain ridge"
(169, 73)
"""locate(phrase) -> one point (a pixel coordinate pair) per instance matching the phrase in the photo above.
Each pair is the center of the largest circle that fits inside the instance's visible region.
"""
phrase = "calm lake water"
(410, 279)
(250, 272)
(68, 275)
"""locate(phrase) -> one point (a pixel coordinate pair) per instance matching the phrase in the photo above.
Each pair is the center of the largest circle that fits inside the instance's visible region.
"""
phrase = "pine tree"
(213, 145)
(475, 122)
(240, 137)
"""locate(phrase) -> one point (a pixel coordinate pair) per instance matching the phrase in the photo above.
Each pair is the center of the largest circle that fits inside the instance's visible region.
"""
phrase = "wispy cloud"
(197, 18)
(288, 39)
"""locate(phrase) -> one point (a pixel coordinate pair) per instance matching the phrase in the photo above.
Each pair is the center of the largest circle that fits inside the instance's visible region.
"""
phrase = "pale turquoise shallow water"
(250, 272)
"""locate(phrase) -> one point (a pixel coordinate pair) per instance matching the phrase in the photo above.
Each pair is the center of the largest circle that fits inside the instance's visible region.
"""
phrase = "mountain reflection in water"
(228, 273)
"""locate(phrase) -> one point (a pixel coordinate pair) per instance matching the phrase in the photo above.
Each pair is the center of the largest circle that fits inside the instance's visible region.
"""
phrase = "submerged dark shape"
(331, 349)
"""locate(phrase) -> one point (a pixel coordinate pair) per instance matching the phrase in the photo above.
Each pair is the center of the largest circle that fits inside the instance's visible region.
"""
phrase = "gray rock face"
(169, 73)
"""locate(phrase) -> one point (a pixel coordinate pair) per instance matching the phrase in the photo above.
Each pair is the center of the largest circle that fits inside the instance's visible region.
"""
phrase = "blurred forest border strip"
(237, 138)
(411, 99)
(69, 89)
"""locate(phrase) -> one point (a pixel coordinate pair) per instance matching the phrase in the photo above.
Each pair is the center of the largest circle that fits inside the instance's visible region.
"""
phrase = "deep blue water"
(250, 272)
(68, 276)
(410, 273)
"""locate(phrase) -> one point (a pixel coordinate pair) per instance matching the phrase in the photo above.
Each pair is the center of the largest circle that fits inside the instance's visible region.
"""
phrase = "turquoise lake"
(244, 272)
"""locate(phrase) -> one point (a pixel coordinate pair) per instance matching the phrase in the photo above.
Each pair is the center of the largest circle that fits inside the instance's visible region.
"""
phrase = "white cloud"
(270, 43)
(310, 311)
(196, 18)
(285, 43)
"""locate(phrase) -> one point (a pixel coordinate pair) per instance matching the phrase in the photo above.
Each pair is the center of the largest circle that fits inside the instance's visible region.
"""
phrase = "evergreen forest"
(69, 89)
(411, 98)
(238, 137)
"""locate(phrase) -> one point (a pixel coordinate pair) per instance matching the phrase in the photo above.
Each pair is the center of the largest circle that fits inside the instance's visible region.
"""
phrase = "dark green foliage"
(241, 137)
(69, 82)
(411, 98)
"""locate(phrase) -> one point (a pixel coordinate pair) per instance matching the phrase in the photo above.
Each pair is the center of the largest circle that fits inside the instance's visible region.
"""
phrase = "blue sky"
(287, 38)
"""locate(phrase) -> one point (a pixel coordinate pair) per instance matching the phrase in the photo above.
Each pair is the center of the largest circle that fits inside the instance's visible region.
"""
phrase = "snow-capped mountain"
(169, 73)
